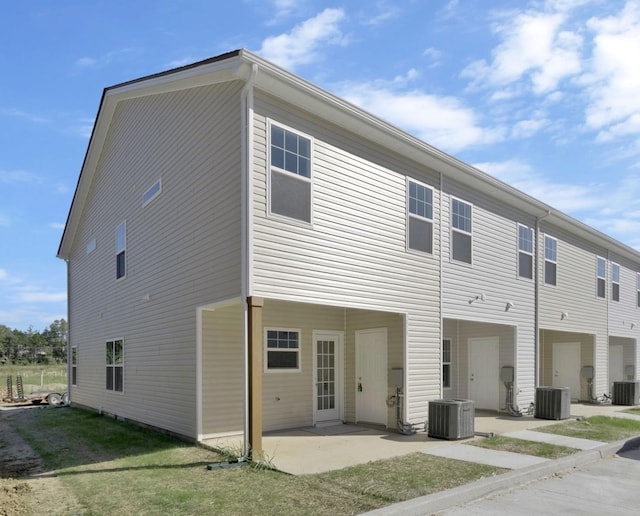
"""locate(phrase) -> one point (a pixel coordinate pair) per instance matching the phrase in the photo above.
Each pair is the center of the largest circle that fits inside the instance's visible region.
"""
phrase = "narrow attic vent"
(152, 192)
(91, 245)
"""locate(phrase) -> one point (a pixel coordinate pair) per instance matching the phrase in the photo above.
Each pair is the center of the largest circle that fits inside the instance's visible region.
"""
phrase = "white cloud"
(610, 207)
(22, 114)
(18, 176)
(385, 11)
(58, 226)
(569, 198)
(114, 56)
(440, 121)
(34, 295)
(301, 45)
(528, 128)
(613, 80)
(533, 49)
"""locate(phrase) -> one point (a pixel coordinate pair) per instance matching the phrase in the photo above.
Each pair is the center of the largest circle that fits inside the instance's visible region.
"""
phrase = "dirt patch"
(26, 486)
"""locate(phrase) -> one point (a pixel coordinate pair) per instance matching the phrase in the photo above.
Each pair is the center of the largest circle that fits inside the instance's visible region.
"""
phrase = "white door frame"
(338, 336)
(381, 383)
(575, 376)
(494, 393)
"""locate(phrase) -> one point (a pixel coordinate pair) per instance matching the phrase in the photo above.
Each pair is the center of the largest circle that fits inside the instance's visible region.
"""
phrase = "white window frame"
(553, 261)
(525, 252)
(411, 215)
(121, 248)
(637, 289)
(601, 277)
(446, 363)
(615, 282)
(152, 192)
(461, 231)
(297, 350)
(271, 168)
(115, 366)
(74, 365)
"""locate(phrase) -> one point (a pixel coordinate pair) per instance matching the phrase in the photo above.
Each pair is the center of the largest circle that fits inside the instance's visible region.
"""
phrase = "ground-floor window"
(74, 365)
(446, 363)
(282, 350)
(115, 365)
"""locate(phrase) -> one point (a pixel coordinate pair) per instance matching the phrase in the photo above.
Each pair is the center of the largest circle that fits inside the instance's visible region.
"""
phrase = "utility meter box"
(396, 378)
(506, 374)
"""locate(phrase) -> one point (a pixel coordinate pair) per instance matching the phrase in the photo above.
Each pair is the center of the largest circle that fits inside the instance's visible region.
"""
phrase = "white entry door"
(328, 377)
(484, 378)
(371, 376)
(566, 367)
(616, 364)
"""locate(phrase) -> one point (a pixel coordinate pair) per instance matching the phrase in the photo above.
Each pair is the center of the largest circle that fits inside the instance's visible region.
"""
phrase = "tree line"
(34, 347)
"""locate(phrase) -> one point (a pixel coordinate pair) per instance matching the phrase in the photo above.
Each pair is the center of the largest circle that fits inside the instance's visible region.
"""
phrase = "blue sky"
(544, 95)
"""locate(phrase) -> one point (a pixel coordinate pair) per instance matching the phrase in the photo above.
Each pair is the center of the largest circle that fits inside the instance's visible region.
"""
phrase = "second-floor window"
(419, 217)
(461, 244)
(615, 282)
(638, 289)
(121, 246)
(525, 252)
(550, 260)
(290, 174)
(601, 277)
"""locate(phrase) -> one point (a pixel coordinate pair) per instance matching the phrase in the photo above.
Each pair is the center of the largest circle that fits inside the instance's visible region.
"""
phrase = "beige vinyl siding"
(354, 254)
(223, 370)
(622, 314)
(182, 250)
(548, 338)
(494, 274)
(460, 332)
(575, 295)
(287, 396)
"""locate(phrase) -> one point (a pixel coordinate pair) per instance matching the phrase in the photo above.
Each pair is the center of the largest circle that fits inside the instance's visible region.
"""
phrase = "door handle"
(359, 386)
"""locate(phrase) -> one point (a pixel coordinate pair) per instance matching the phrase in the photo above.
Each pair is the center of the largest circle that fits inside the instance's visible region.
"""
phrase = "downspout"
(246, 99)
(440, 279)
(69, 354)
(536, 322)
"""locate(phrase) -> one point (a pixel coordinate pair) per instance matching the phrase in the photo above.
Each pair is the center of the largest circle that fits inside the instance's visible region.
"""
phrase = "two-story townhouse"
(248, 251)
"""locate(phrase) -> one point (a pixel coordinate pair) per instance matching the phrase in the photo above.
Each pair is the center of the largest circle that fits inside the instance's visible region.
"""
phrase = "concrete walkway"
(310, 450)
(524, 468)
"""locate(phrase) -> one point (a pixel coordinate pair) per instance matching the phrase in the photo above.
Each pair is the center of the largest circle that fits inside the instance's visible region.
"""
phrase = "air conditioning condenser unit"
(451, 419)
(553, 403)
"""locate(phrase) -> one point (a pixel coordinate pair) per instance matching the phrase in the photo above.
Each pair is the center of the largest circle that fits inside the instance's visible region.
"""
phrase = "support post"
(255, 305)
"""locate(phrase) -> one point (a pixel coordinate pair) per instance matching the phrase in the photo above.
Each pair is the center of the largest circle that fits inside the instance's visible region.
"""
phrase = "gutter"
(246, 99)
(536, 316)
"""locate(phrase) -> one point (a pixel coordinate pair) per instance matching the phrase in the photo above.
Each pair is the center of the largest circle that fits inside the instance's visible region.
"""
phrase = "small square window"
(282, 350)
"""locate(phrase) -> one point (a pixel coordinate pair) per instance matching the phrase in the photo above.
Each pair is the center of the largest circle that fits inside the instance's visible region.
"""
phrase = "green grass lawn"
(596, 428)
(35, 378)
(545, 450)
(634, 410)
(117, 468)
